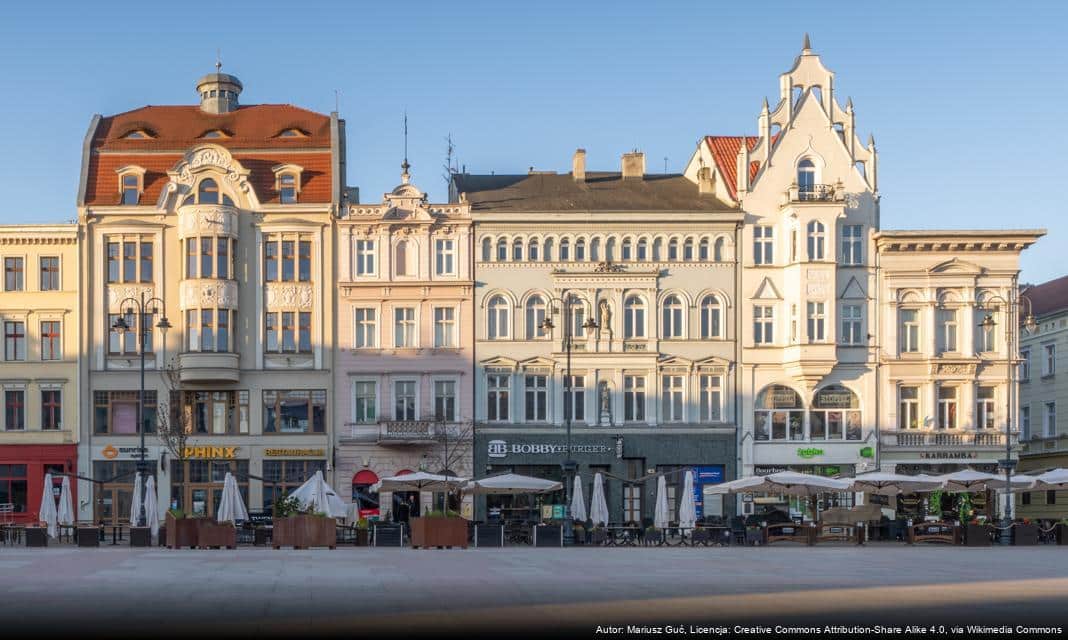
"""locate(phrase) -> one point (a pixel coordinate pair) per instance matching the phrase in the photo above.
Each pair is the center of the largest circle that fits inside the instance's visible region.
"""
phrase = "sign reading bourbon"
(209, 453)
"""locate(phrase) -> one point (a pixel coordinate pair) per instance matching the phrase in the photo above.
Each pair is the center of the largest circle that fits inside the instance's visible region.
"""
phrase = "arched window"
(673, 310)
(535, 318)
(643, 249)
(497, 322)
(711, 318)
(673, 249)
(817, 240)
(687, 250)
(517, 250)
(547, 255)
(208, 192)
(634, 318)
(502, 250)
(702, 251)
(487, 249)
(610, 249)
(565, 250)
(835, 414)
(532, 250)
(719, 253)
(595, 250)
(626, 250)
(658, 249)
(580, 250)
(806, 176)
(404, 258)
(779, 414)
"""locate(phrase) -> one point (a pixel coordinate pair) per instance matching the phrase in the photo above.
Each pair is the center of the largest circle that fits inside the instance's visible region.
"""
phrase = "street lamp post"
(141, 307)
(1012, 351)
(569, 466)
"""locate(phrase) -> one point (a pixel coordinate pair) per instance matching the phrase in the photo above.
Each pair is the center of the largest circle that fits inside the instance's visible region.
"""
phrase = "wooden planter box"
(303, 531)
(36, 537)
(388, 535)
(140, 537)
(548, 535)
(977, 535)
(1025, 534)
(1062, 534)
(215, 535)
(181, 532)
(438, 532)
(87, 536)
(261, 537)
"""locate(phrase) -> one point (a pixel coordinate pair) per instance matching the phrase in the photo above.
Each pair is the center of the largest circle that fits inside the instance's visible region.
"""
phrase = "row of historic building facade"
(746, 315)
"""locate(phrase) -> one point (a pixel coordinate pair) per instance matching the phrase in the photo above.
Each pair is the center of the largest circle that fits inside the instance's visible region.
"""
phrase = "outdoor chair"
(738, 530)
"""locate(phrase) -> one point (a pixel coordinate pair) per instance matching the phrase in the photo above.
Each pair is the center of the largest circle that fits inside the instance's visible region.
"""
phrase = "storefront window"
(294, 411)
(13, 486)
(527, 507)
(835, 414)
(114, 497)
(283, 476)
(779, 414)
(196, 485)
(213, 412)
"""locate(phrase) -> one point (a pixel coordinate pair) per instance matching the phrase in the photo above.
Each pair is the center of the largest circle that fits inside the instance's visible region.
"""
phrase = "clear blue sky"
(967, 103)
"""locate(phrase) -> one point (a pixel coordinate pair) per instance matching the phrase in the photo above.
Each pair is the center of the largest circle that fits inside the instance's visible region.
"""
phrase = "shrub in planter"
(181, 530)
(304, 530)
(579, 533)
(977, 534)
(437, 529)
(598, 535)
(211, 534)
(363, 531)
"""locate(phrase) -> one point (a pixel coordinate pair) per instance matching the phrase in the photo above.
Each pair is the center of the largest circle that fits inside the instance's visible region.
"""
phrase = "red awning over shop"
(365, 476)
(404, 472)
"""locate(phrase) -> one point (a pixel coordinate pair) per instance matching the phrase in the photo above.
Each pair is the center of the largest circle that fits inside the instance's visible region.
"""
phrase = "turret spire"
(806, 46)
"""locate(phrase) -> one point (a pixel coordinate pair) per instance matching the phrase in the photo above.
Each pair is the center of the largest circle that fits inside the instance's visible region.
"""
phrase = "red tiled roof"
(1048, 297)
(725, 153)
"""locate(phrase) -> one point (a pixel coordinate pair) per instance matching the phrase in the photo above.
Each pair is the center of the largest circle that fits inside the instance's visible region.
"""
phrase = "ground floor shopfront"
(22, 473)
(1038, 457)
(630, 462)
(945, 505)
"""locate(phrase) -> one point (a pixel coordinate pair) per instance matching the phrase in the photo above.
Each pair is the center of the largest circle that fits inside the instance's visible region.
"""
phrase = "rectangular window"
(947, 330)
(497, 397)
(985, 336)
(270, 260)
(131, 191)
(365, 257)
(446, 257)
(816, 322)
(129, 262)
(301, 411)
(146, 262)
(711, 398)
(671, 399)
(404, 327)
(404, 400)
(1049, 420)
(222, 258)
(304, 332)
(50, 341)
(947, 407)
(271, 330)
(575, 405)
(537, 398)
(13, 274)
(1051, 497)
(445, 327)
(113, 262)
(366, 401)
(15, 410)
(852, 244)
(288, 260)
(366, 328)
(984, 408)
(222, 331)
(116, 412)
(191, 259)
(852, 324)
(763, 245)
(14, 341)
(1025, 364)
(763, 324)
(50, 274)
(289, 331)
(14, 487)
(1025, 423)
(211, 412)
(207, 330)
(1049, 363)
(304, 261)
(634, 398)
(51, 409)
(909, 331)
(125, 343)
(445, 400)
(908, 413)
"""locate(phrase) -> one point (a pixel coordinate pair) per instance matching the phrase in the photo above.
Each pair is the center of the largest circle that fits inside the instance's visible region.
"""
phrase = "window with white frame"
(1025, 364)
(49, 273)
(51, 340)
(908, 409)
(947, 407)
(365, 321)
(1025, 422)
(711, 318)
(445, 256)
(806, 176)
(642, 250)
(719, 253)
(703, 253)
(580, 249)
(497, 389)
(817, 240)
(578, 318)
(1049, 362)
(445, 327)
(711, 397)
(131, 188)
(535, 315)
(405, 258)
(445, 400)
(763, 245)
(852, 324)
(575, 405)
(497, 319)
(763, 324)
(517, 250)
(835, 414)
(671, 398)
(128, 260)
(634, 398)
(947, 330)
(779, 414)
(532, 250)
(487, 249)
(536, 396)
(565, 250)
(986, 332)
(287, 331)
(14, 341)
(286, 257)
(909, 330)
(673, 311)
(852, 244)
(502, 250)
(673, 249)
(634, 317)
(984, 408)
(365, 258)
(209, 330)
(125, 343)
(817, 322)
(626, 253)
(404, 401)
(404, 327)
(1049, 420)
(365, 401)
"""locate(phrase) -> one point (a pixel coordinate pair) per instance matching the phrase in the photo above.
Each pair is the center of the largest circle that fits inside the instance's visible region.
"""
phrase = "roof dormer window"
(131, 184)
(287, 182)
(137, 134)
(292, 133)
(215, 133)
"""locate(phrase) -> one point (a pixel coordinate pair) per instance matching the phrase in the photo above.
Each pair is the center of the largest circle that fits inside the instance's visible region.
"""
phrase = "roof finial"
(405, 176)
(218, 60)
(806, 45)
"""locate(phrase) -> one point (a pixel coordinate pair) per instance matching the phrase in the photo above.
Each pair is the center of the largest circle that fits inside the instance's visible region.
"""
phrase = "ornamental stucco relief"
(118, 293)
(197, 294)
(290, 295)
(194, 220)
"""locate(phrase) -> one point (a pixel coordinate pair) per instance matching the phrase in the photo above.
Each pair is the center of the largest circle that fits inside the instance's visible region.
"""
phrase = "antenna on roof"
(337, 100)
(665, 164)
(218, 60)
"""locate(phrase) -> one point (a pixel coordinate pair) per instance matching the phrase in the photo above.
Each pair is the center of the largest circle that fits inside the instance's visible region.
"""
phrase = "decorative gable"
(766, 291)
(853, 290)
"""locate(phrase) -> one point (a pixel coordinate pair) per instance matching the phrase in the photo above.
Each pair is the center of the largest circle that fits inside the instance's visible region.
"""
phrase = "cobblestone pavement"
(119, 591)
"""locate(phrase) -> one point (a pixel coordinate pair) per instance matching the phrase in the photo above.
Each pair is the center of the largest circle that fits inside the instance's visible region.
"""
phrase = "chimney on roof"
(705, 182)
(578, 165)
(218, 92)
(634, 165)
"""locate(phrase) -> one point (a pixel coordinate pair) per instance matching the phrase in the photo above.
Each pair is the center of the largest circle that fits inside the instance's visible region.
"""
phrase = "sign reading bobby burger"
(502, 449)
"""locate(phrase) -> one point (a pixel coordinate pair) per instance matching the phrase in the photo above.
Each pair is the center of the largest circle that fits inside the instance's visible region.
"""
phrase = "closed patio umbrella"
(318, 496)
(971, 481)
(890, 484)
(511, 484)
(598, 506)
(231, 506)
(660, 513)
(687, 506)
(65, 515)
(578, 503)
(47, 514)
(151, 506)
(135, 503)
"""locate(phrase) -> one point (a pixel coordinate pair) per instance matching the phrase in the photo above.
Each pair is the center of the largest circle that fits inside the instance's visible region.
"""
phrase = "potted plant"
(1025, 533)
(181, 529)
(215, 535)
(579, 533)
(301, 528)
(363, 529)
(598, 535)
(652, 535)
(438, 529)
(976, 534)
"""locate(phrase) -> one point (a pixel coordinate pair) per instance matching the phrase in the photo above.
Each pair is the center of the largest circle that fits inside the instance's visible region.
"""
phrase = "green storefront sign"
(809, 452)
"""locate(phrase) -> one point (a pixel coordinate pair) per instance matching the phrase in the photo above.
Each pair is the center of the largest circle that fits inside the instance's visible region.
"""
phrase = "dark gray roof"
(601, 191)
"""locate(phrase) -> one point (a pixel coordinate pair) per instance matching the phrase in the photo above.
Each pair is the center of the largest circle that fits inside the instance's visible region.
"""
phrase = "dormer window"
(215, 133)
(292, 133)
(131, 184)
(137, 134)
(208, 192)
(806, 176)
(287, 182)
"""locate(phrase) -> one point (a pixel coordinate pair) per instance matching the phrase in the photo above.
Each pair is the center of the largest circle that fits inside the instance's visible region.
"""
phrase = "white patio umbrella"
(1052, 480)
(65, 515)
(889, 484)
(787, 483)
(231, 506)
(511, 484)
(151, 506)
(687, 506)
(135, 503)
(971, 481)
(578, 503)
(598, 506)
(419, 481)
(318, 496)
(47, 514)
(660, 513)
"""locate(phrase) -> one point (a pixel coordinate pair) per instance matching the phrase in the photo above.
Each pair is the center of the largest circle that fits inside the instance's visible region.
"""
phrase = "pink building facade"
(405, 347)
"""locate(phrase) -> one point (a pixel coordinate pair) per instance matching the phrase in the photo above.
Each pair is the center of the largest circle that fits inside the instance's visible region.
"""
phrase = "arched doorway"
(405, 503)
(363, 497)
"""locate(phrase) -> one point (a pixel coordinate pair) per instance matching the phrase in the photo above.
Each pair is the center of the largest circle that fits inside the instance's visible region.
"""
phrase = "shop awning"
(365, 476)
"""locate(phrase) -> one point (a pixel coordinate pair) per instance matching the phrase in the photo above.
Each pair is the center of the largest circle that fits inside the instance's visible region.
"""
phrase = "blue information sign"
(701, 476)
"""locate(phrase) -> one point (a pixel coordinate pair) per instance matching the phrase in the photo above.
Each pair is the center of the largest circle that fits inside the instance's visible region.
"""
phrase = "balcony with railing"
(814, 193)
(917, 439)
(402, 432)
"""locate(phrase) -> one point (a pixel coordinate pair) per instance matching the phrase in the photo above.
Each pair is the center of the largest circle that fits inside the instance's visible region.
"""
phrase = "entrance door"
(632, 503)
(114, 503)
(405, 505)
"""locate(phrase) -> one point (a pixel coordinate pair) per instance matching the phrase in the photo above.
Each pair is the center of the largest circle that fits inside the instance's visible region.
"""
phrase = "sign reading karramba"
(295, 453)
